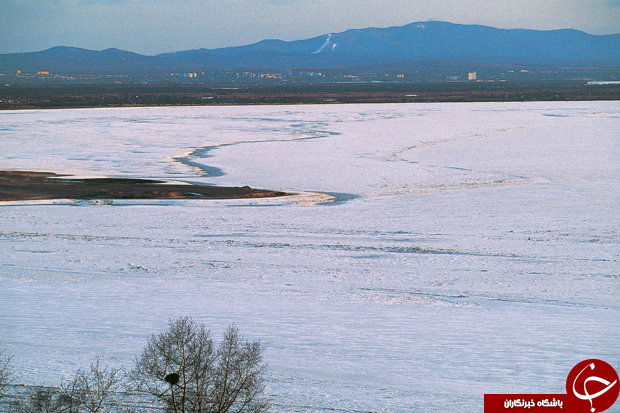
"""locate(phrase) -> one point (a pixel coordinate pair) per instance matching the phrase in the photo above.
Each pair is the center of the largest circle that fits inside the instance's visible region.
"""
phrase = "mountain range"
(431, 41)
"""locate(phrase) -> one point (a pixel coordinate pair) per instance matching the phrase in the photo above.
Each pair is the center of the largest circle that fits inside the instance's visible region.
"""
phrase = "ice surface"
(435, 252)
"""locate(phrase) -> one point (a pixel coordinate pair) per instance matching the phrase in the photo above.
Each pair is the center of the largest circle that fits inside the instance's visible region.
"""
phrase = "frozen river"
(435, 252)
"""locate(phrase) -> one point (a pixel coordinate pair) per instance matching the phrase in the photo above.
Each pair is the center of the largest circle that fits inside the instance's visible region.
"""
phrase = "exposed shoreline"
(31, 185)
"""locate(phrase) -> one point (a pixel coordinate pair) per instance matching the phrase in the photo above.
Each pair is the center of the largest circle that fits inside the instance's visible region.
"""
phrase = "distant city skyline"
(158, 26)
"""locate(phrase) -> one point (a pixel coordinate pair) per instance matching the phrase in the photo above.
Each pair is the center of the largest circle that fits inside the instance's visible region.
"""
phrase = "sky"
(158, 26)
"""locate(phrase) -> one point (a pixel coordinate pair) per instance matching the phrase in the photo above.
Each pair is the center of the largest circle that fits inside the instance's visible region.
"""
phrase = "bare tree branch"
(210, 380)
(5, 370)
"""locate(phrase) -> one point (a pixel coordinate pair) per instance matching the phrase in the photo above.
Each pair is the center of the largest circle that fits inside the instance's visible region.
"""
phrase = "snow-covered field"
(435, 252)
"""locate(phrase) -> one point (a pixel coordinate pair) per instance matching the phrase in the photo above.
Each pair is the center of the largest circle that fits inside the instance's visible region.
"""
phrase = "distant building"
(472, 76)
(310, 74)
(43, 72)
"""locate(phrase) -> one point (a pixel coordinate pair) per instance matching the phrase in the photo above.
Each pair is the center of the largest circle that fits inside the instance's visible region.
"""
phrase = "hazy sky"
(156, 26)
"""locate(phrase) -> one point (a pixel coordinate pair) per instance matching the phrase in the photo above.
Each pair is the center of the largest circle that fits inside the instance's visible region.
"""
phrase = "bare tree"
(239, 374)
(5, 371)
(181, 368)
(43, 400)
(90, 391)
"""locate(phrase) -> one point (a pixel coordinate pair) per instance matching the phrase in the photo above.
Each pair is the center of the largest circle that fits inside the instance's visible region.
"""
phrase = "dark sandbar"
(29, 185)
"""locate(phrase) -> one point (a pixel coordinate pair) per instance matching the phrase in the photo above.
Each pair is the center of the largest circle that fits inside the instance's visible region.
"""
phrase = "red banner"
(534, 403)
(592, 386)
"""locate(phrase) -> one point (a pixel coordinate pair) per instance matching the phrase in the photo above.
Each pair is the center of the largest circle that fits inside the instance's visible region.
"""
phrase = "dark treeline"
(110, 95)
